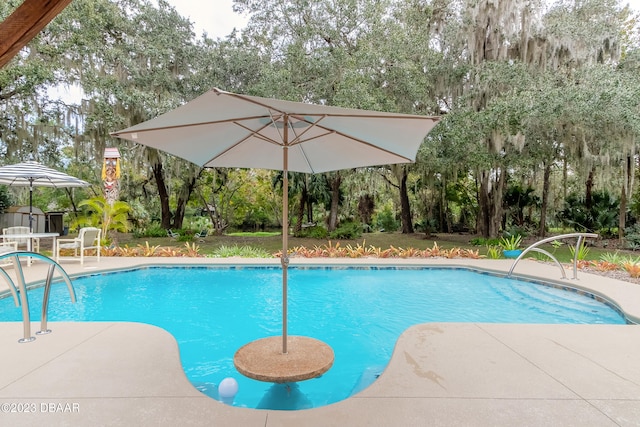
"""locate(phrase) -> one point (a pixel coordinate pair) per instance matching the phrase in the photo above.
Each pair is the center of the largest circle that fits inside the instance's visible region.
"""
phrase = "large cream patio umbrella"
(224, 129)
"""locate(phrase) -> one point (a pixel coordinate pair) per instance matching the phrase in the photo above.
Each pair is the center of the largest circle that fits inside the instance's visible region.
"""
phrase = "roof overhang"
(25, 23)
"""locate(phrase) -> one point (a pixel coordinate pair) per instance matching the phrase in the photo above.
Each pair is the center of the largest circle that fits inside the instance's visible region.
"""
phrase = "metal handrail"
(12, 286)
(22, 288)
(534, 248)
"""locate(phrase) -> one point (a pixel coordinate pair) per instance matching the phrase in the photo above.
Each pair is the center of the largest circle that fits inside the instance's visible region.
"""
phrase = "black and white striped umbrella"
(30, 174)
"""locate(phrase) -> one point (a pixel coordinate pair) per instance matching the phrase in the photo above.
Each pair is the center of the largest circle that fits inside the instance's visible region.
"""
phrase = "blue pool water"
(359, 312)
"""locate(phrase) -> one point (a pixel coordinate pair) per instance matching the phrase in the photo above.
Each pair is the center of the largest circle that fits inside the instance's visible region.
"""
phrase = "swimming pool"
(359, 312)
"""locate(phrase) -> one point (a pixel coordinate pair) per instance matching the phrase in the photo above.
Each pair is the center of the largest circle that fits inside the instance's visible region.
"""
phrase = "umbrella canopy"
(30, 174)
(224, 129)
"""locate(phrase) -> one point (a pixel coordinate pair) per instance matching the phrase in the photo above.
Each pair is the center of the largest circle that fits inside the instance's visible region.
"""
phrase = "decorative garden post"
(111, 175)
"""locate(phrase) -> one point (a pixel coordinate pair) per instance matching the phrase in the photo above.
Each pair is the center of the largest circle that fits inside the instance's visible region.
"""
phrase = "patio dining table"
(29, 238)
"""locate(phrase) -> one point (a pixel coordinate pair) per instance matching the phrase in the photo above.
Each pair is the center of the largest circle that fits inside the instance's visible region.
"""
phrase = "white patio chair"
(20, 241)
(88, 238)
(172, 234)
(201, 234)
(6, 247)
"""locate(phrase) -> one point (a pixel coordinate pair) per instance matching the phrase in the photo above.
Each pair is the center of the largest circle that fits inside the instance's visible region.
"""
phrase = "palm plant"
(511, 243)
(97, 212)
(583, 251)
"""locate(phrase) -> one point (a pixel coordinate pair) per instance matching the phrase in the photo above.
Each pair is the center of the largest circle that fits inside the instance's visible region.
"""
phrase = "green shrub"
(629, 260)
(199, 223)
(612, 257)
(478, 241)
(632, 236)
(154, 230)
(511, 243)
(347, 230)
(633, 246)
(583, 251)
(483, 241)
(315, 232)
(515, 231)
(240, 251)
(601, 216)
(5, 199)
(186, 235)
(494, 251)
(427, 226)
(386, 220)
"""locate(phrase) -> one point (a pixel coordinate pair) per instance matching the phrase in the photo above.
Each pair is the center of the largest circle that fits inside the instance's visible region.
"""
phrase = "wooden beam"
(25, 23)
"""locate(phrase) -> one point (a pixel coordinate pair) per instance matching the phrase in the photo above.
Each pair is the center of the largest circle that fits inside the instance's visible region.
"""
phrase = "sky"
(218, 18)
(635, 4)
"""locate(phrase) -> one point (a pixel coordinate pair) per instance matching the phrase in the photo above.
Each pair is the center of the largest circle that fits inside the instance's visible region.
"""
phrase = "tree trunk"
(158, 174)
(588, 196)
(445, 220)
(366, 206)
(565, 177)
(627, 185)
(72, 200)
(334, 184)
(309, 209)
(482, 222)
(212, 215)
(405, 207)
(545, 200)
(178, 218)
(183, 198)
(303, 201)
(218, 222)
(490, 202)
(623, 213)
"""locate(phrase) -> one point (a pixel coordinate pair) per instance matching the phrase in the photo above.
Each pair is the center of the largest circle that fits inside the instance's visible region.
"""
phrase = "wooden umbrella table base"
(263, 360)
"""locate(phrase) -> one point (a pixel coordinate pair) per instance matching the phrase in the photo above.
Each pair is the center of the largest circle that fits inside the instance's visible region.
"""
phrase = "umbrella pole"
(285, 233)
(285, 259)
(30, 205)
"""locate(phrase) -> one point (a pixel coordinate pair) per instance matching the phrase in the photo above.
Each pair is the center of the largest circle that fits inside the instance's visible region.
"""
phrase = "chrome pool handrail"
(534, 248)
(12, 286)
(22, 288)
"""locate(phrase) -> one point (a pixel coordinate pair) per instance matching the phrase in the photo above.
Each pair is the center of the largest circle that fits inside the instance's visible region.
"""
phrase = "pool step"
(369, 375)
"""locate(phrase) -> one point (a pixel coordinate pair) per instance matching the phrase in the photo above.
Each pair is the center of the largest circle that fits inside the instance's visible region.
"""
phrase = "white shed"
(19, 216)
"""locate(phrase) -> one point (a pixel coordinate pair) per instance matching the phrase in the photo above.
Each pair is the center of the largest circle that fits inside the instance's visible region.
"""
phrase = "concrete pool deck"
(440, 374)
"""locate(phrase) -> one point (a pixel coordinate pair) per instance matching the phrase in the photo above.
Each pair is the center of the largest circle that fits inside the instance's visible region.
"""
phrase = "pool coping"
(446, 374)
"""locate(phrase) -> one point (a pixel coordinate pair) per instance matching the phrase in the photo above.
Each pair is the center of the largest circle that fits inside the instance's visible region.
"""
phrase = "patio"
(440, 374)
